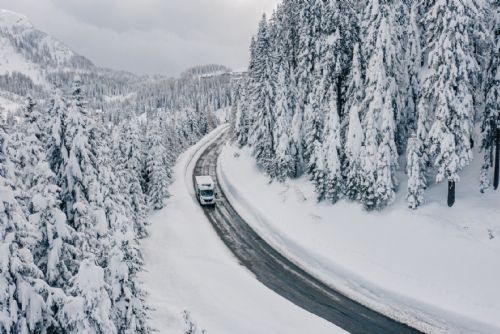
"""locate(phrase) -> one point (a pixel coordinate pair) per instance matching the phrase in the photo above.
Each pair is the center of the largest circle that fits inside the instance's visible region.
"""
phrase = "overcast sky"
(150, 36)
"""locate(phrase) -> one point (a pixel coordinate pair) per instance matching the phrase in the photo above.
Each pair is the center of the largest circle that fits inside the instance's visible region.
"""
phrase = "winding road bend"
(281, 275)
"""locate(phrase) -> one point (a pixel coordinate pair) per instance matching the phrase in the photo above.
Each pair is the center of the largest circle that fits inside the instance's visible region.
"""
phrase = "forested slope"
(351, 92)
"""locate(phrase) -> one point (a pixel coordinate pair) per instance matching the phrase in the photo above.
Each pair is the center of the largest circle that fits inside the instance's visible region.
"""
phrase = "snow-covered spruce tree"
(123, 257)
(241, 114)
(157, 168)
(285, 165)
(367, 160)
(312, 85)
(416, 175)
(340, 27)
(452, 29)
(89, 310)
(54, 121)
(383, 52)
(54, 251)
(491, 116)
(82, 201)
(331, 186)
(262, 96)
(354, 132)
(410, 83)
(129, 154)
(418, 160)
(418, 156)
(250, 83)
(387, 157)
(24, 154)
(23, 293)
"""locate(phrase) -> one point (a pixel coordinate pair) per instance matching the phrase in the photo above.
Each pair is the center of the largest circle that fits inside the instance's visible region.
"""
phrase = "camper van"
(205, 190)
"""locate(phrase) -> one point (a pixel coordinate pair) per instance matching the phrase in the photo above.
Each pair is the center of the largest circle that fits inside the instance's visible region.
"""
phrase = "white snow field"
(437, 269)
(189, 268)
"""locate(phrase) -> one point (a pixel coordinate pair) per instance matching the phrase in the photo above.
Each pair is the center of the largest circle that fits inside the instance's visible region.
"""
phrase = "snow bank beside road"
(411, 265)
(188, 267)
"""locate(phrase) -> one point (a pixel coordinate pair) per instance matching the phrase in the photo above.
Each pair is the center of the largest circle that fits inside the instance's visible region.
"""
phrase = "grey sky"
(150, 36)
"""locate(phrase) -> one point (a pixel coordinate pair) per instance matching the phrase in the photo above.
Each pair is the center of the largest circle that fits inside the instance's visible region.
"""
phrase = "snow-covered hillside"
(29, 51)
(33, 62)
(436, 268)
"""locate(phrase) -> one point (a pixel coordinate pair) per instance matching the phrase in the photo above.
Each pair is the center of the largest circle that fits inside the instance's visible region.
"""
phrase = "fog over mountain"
(153, 36)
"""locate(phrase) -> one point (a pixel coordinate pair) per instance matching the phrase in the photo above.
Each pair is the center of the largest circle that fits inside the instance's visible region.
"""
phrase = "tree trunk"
(497, 160)
(451, 193)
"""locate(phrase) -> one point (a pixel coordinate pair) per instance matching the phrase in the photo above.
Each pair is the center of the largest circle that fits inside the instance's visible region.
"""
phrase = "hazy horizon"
(151, 37)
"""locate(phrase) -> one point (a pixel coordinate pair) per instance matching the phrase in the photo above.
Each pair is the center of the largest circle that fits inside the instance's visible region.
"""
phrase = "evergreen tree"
(82, 201)
(312, 85)
(285, 165)
(157, 169)
(416, 176)
(88, 310)
(241, 112)
(491, 117)
(354, 132)
(263, 96)
(331, 153)
(382, 100)
(452, 72)
(54, 251)
(23, 304)
(129, 155)
(124, 258)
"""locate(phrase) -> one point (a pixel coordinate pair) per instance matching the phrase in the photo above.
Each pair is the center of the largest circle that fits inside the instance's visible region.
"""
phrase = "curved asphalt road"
(279, 274)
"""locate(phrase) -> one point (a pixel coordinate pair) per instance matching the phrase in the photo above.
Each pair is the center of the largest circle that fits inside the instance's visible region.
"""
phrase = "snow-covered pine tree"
(452, 71)
(250, 83)
(123, 256)
(490, 127)
(54, 129)
(89, 309)
(312, 83)
(54, 251)
(241, 114)
(82, 201)
(23, 304)
(285, 164)
(157, 168)
(383, 52)
(333, 182)
(262, 95)
(288, 50)
(416, 175)
(129, 154)
(417, 154)
(367, 161)
(409, 82)
(25, 152)
(387, 156)
(353, 132)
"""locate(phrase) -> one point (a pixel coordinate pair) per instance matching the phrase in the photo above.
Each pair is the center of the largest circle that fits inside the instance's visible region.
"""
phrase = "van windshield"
(207, 193)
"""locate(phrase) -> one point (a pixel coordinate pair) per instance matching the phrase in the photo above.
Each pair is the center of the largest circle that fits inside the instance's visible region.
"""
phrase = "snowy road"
(281, 275)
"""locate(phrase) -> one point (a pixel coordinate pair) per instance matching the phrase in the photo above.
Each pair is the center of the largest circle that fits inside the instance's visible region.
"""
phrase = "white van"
(205, 190)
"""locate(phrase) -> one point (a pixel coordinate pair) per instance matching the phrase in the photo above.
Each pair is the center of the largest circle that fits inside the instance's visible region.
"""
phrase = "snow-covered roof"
(205, 181)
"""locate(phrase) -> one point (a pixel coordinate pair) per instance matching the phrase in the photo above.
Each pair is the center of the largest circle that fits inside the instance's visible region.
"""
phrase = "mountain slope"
(32, 52)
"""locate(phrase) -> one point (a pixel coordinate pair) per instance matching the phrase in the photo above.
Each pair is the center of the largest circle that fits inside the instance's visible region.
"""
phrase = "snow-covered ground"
(189, 268)
(436, 268)
(9, 103)
(222, 115)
